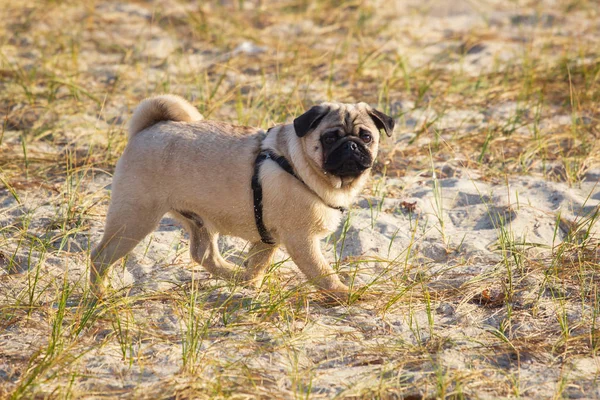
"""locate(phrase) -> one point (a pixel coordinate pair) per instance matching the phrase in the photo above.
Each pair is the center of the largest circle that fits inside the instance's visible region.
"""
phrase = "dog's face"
(342, 139)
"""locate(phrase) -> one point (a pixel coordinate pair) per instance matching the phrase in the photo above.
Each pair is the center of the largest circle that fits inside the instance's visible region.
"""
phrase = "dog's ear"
(309, 120)
(382, 121)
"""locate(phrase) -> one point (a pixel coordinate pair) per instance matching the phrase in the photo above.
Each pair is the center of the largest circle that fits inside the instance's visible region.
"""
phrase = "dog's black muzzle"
(349, 157)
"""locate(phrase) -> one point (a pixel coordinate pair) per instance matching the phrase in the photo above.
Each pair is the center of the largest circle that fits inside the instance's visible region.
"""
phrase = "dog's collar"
(265, 236)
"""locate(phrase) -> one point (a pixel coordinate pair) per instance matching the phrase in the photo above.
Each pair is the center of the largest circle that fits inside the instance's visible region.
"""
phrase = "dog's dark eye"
(329, 138)
(366, 137)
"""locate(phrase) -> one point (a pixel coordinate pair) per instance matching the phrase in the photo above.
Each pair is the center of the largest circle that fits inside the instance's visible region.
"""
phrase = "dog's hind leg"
(126, 226)
(259, 258)
(204, 248)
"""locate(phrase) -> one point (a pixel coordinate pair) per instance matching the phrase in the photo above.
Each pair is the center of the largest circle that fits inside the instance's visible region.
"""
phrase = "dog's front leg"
(306, 253)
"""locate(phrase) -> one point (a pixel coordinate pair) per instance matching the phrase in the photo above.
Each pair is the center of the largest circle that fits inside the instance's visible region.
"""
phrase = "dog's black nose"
(351, 146)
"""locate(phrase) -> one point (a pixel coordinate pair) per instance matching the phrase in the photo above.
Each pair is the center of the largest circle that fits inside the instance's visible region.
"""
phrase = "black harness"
(265, 236)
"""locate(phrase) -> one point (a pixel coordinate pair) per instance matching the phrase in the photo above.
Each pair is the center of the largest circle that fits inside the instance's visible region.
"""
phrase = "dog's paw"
(352, 280)
(249, 281)
(336, 295)
(97, 290)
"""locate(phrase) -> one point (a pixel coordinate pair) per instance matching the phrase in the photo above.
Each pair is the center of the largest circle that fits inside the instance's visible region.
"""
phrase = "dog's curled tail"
(165, 107)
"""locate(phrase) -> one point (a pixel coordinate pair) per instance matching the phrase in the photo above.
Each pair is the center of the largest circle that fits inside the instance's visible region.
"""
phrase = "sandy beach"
(475, 245)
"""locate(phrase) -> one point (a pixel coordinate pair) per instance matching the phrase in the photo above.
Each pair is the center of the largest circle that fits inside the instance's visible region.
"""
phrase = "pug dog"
(288, 186)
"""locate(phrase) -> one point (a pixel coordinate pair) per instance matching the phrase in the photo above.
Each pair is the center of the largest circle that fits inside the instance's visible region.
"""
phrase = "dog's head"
(342, 139)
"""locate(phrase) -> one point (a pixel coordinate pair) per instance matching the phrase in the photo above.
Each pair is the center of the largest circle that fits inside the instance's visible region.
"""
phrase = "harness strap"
(265, 236)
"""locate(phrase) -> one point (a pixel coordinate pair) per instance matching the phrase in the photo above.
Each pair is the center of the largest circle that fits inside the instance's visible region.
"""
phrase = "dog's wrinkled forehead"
(344, 115)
